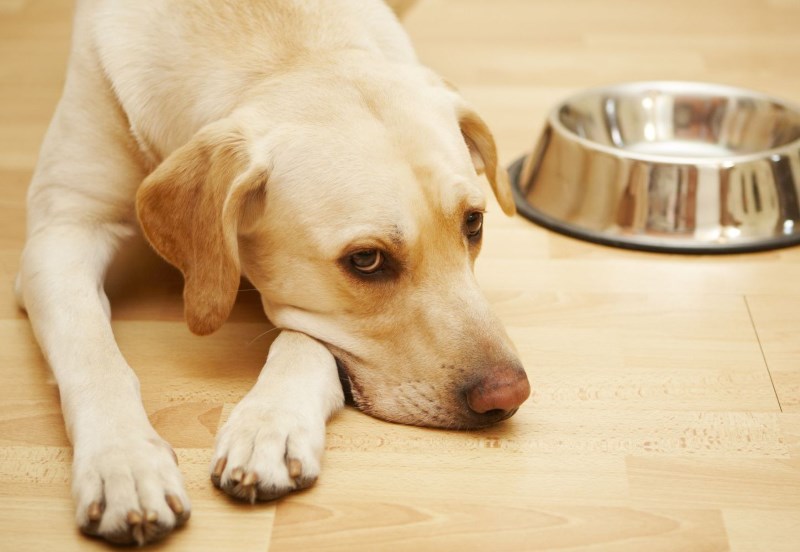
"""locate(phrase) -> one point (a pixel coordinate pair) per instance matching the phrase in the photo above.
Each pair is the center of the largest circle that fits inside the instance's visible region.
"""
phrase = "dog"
(301, 146)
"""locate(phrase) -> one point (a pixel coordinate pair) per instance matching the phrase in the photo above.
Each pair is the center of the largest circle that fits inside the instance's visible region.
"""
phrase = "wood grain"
(666, 405)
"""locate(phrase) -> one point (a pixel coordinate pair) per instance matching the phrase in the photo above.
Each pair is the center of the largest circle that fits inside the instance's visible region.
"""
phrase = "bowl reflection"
(667, 166)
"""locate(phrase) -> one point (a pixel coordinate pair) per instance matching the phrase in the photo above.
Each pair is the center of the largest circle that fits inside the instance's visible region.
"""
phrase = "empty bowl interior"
(668, 121)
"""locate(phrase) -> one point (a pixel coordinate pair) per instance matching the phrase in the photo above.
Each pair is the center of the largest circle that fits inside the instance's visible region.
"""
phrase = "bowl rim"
(554, 120)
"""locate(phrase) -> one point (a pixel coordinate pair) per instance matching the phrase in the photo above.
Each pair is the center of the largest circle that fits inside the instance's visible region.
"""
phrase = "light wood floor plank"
(790, 425)
(467, 525)
(723, 482)
(762, 530)
(543, 431)
(777, 319)
(654, 423)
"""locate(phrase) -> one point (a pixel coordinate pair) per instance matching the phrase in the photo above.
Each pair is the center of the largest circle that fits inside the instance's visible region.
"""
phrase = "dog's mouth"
(357, 400)
(347, 385)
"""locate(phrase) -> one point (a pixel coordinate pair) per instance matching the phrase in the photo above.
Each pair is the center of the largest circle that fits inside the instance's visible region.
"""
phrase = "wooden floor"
(666, 405)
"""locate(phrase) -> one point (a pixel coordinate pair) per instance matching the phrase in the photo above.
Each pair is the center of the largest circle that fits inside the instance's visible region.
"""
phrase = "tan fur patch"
(188, 209)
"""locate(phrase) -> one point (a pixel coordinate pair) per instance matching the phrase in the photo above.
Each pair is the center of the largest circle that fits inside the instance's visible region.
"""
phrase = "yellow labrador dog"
(297, 143)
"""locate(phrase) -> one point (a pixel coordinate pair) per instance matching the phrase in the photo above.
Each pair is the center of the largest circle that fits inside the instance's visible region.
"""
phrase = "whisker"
(259, 336)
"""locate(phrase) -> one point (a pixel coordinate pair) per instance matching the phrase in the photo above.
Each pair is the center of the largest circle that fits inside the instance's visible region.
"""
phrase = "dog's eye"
(474, 224)
(367, 261)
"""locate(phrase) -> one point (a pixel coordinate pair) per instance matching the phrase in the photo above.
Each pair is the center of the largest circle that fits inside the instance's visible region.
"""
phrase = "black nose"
(501, 390)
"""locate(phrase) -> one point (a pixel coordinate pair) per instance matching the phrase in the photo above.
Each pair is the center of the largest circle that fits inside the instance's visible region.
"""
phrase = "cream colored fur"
(267, 139)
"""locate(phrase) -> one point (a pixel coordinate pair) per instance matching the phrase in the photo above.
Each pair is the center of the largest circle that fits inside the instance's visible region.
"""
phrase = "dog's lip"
(344, 379)
(473, 422)
(482, 421)
(507, 415)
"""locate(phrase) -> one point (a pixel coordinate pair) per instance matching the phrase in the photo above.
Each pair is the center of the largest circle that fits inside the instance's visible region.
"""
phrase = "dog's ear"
(483, 150)
(400, 7)
(190, 210)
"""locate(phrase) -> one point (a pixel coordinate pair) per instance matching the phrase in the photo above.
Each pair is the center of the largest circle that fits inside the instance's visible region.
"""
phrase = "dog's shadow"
(142, 286)
(186, 380)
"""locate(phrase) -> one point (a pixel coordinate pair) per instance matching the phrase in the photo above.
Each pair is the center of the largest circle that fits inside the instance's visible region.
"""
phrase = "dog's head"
(357, 211)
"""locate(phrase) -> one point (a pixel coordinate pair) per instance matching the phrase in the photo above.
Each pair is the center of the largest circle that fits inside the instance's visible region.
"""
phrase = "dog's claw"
(140, 504)
(175, 505)
(249, 487)
(95, 512)
(216, 474)
(135, 527)
(142, 527)
(236, 475)
(246, 485)
(295, 468)
(239, 484)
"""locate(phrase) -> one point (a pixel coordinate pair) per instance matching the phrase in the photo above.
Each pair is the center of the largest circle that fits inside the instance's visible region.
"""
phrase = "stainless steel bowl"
(667, 166)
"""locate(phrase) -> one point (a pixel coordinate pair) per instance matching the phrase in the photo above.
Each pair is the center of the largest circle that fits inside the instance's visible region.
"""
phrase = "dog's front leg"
(126, 484)
(273, 441)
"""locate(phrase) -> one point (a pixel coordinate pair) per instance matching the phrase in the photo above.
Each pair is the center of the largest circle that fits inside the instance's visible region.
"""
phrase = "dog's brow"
(469, 198)
(391, 237)
(397, 236)
(472, 202)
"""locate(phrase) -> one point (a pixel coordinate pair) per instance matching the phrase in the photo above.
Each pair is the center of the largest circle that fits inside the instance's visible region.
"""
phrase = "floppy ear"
(190, 208)
(400, 7)
(484, 156)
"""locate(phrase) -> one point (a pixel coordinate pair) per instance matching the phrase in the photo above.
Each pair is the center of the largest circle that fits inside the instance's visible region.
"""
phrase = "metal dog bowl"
(667, 166)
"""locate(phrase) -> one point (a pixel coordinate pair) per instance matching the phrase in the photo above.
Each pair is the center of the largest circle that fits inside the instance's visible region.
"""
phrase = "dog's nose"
(502, 389)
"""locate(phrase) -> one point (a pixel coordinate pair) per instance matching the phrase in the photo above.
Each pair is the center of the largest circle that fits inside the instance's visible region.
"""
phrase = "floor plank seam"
(223, 417)
(763, 354)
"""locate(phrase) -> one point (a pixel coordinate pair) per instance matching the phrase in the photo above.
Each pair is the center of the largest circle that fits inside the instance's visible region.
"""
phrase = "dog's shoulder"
(176, 66)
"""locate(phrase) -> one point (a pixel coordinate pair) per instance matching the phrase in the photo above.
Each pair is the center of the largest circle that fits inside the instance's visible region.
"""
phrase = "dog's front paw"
(265, 453)
(129, 491)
